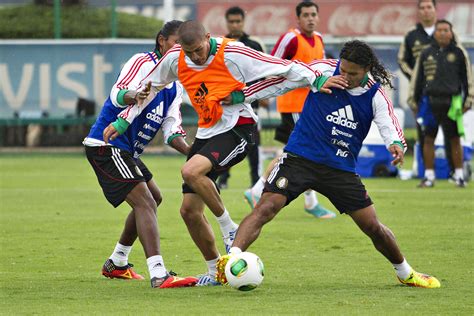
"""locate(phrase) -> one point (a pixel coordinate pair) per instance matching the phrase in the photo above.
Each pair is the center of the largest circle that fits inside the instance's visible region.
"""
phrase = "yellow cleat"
(421, 280)
(220, 265)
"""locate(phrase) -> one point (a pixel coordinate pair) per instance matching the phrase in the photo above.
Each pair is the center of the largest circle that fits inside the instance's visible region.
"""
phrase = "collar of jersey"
(213, 46)
(364, 81)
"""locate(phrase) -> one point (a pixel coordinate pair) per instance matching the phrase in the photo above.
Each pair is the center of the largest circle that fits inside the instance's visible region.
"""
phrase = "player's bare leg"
(381, 236)
(457, 158)
(428, 159)
(144, 207)
(251, 226)
(384, 241)
(194, 174)
(192, 212)
(129, 233)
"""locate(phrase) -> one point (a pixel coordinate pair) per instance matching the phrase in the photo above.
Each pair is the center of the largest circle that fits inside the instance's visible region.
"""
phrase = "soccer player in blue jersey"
(322, 151)
(121, 173)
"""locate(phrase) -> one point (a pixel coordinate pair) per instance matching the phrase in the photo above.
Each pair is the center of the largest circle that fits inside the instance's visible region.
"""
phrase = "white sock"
(156, 266)
(234, 251)
(403, 269)
(430, 174)
(257, 188)
(120, 255)
(458, 174)
(211, 266)
(226, 223)
(310, 199)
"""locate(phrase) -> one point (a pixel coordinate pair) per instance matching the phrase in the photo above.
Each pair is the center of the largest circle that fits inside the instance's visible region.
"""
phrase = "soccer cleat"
(110, 270)
(251, 198)
(221, 263)
(421, 280)
(207, 280)
(460, 183)
(425, 183)
(229, 239)
(320, 212)
(170, 280)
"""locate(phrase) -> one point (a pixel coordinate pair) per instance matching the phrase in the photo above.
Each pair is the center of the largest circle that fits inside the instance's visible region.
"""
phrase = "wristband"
(319, 82)
(120, 125)
(237, 97)
(399, 144)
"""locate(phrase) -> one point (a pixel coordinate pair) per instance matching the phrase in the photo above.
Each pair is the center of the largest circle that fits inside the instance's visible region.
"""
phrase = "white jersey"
(130, 78)
(245, 65)
(384, 116)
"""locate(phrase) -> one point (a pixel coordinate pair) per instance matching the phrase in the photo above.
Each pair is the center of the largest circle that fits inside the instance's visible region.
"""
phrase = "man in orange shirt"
(302, 43)
(210, 69)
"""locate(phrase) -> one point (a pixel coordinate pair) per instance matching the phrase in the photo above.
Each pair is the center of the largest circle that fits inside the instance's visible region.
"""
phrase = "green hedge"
(34, 21)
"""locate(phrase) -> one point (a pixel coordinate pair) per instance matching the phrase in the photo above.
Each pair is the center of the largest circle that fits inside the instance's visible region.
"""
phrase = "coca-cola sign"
(267, 18)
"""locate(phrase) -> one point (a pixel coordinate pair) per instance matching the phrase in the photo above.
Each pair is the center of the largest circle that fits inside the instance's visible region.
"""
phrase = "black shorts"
(223, 150)
(283, 131)
(118, 173)
(440, 107)
(293, 175)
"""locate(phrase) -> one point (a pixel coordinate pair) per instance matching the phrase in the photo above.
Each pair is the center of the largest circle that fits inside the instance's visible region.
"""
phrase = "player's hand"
(227, 100)
(334, 82)
(110, 133)
(141, 96)
(264, 103)
(397, 154)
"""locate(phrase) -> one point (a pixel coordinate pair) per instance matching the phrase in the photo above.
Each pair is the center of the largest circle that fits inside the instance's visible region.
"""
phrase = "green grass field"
(57, 230)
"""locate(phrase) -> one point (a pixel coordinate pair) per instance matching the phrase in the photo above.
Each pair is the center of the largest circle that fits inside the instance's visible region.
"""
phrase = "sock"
(120, 255)
(156, 266)
(226, 223)
(310, 199)
(257, 188)
(234, 251)
(211, 266)
(403, 269)
(429, 174)
(458, 174)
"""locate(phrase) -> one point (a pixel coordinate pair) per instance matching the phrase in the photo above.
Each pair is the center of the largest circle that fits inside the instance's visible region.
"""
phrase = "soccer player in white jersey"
(121, 173)
(210, 69)
(323, 148)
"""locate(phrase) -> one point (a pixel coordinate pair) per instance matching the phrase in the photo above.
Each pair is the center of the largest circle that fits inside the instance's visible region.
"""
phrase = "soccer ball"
(244, 271)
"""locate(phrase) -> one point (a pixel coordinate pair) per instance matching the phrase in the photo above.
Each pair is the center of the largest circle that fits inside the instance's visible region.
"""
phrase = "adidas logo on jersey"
(343, 117)
(156, 115)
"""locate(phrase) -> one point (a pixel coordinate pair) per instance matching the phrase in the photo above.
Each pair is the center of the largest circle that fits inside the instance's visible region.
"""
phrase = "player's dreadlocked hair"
(361, 54)
(170, 28)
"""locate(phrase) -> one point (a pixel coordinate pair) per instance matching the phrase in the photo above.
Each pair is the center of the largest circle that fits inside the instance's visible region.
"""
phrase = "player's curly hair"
(170, 28)
(362, 54)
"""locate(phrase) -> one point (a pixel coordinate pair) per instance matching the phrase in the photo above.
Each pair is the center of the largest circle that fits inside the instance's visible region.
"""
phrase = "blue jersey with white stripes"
(332, 127)
(143, 128)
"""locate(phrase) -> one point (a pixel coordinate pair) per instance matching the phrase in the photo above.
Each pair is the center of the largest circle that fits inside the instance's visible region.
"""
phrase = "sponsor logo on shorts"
(282, 183)
(342, 153)
(343, 117)
(336, 132)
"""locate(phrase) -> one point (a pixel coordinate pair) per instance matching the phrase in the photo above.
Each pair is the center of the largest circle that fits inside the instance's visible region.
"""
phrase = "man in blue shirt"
(323, 148)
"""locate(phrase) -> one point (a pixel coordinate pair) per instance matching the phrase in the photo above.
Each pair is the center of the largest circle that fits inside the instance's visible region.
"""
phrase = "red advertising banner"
(339, 18)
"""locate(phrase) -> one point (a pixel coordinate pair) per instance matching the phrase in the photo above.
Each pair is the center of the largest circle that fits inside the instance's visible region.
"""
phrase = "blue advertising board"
(49, 76)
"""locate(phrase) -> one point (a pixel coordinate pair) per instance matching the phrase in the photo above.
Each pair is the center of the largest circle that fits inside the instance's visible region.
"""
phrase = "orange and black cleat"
(110, 270)
(170, 280)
